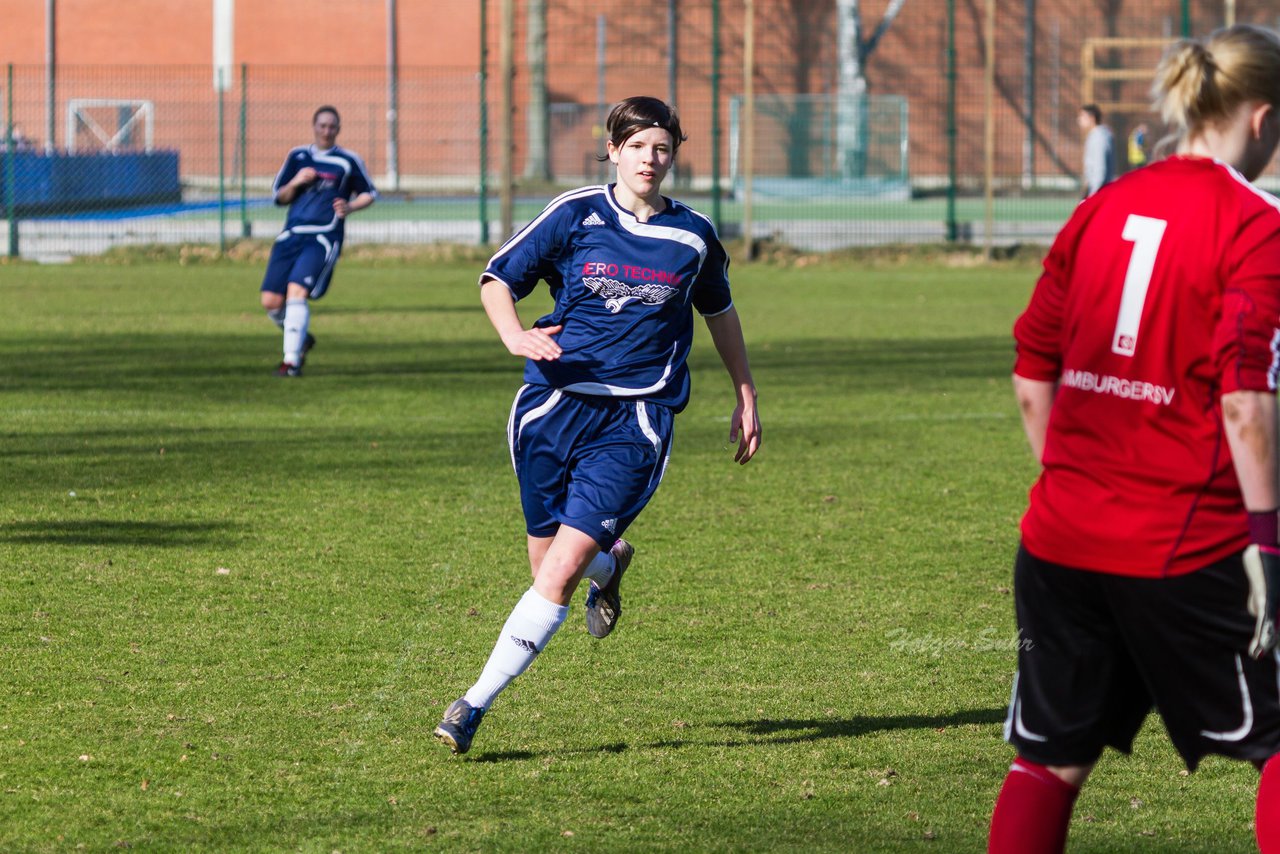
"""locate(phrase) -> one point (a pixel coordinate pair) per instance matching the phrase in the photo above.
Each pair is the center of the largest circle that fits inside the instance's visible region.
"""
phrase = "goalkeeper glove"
(1262, 566)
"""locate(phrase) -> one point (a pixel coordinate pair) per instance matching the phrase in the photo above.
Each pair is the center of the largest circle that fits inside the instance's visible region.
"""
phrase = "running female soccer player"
(1146, 375)
(321, 183)
(605, 374)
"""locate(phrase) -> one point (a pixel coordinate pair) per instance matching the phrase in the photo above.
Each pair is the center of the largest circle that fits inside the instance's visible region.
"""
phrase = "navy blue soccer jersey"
(340, 174)
(624, 291)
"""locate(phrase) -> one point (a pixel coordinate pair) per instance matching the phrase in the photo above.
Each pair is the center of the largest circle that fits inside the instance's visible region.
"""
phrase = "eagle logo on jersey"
(617, 294)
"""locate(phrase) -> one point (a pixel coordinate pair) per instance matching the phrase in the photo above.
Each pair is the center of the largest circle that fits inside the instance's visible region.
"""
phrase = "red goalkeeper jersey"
(1160, 294)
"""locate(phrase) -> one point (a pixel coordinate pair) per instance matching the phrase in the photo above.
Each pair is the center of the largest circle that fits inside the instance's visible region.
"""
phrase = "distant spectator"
(1099, 149)
(21, 142)
(1138, 146)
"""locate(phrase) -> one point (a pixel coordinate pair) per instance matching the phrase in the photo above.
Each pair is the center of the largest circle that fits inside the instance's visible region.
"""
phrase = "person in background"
(322, 184)
(1099, 149)
(1137, 154)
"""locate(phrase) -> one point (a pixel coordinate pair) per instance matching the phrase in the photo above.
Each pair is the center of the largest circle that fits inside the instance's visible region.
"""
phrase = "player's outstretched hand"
(1262, 566)
(535, 343)
(744, 428)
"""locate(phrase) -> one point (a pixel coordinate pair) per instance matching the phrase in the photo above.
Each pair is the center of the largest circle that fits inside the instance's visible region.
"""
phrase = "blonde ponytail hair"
(1201, 81)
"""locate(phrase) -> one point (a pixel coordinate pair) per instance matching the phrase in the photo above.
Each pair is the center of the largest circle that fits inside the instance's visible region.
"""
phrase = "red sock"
(1032, 812)
(1267, 816)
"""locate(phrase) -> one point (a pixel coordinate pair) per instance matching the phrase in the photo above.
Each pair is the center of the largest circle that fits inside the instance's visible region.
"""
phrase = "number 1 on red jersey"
(1145, 233)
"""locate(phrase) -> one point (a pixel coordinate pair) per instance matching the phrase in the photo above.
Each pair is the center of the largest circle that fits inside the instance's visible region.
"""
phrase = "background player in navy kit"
(605, 374)
(321, 183)
(1146, 373)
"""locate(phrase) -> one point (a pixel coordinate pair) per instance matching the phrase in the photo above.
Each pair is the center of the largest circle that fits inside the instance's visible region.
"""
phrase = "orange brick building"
(295, 58)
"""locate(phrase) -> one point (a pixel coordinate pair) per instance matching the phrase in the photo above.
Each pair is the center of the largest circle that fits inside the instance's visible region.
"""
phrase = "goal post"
(1135, 68)
(109, 124)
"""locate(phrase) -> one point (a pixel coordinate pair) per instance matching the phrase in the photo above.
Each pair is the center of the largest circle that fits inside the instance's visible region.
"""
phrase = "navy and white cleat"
(604, 604)
(459, 725)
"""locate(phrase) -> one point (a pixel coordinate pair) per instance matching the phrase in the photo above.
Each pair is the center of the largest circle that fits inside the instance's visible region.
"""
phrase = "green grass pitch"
(233, 608)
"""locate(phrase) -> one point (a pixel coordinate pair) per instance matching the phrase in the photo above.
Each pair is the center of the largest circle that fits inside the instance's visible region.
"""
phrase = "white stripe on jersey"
(1273, 372)
(581, 193)
(331, 224)
(604, 389)
(275, 185)
(662, 232)
(1265, 196)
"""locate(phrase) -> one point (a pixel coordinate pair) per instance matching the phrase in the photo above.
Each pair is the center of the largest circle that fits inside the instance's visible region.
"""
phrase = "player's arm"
(1243, 350)
(744, 424)
(361, 201)
(289, 191)
(500, 306)
(1035, 400)
(1249, 420)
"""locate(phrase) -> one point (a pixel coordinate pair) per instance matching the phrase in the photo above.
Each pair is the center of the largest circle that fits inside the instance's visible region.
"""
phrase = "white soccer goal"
(109, 124)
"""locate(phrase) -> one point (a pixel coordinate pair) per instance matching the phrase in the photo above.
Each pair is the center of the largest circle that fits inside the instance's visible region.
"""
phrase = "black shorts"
(1098, 651)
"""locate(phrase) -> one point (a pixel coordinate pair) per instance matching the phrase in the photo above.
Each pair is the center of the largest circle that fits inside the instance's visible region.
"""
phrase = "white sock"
(600, 570)
(277, 316)
(297, 314)
(531, 625)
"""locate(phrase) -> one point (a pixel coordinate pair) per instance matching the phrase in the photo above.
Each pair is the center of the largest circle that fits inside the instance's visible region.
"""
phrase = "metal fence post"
(10, 154)
(715, 115)
(484, 122)
(952, 230)
(222, 170)
(245, 229)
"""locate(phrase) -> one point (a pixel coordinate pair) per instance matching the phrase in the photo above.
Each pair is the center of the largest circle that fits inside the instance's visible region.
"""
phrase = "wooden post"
(990, 135)
(507, 133)
(748, 124)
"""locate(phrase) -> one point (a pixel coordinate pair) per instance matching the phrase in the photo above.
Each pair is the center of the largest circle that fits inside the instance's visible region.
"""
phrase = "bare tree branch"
(889, 14)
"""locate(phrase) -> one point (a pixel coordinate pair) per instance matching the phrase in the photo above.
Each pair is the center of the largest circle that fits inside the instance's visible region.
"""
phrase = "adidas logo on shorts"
(593, 219)
(610, 525)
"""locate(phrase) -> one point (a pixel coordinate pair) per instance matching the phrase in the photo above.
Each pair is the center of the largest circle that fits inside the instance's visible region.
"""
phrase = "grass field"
(834, 209)
(233, 608)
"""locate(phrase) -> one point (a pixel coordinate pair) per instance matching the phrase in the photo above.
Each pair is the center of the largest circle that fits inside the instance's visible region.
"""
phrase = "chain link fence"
(832, 148)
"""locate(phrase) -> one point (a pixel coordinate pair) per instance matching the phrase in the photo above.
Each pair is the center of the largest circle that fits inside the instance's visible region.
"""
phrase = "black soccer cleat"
(288, 370)
(604, 604)
(459, 725)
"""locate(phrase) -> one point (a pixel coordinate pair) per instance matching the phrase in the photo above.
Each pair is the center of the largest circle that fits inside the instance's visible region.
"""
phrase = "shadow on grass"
(504, 756)
(401, 308)
(234, 367)
(875, 363)
(767, 731)
(97, 532)
(815, 729)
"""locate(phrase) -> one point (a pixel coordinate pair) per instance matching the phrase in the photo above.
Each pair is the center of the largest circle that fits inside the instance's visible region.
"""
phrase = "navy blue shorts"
(1098, 651)
(588, 462)
(305, 259)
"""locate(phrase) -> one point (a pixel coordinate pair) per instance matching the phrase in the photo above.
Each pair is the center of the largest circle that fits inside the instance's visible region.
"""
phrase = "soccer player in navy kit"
(1149, 568)
(591, 429)
(322, 184)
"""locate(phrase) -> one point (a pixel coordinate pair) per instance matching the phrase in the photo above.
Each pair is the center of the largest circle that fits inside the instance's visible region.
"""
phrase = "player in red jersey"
(1149, 570)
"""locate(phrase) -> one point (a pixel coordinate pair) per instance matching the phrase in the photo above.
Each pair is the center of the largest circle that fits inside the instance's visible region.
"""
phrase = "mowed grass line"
(234, 608)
